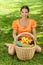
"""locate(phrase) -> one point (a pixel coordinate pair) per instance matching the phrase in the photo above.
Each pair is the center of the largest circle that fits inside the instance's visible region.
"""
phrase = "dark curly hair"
(26, 7)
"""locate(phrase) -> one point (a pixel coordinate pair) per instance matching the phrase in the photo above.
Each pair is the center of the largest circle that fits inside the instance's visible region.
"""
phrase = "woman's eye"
(24, 12)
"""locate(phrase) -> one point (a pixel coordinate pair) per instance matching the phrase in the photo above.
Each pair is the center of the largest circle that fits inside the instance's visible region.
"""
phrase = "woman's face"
(24, 13)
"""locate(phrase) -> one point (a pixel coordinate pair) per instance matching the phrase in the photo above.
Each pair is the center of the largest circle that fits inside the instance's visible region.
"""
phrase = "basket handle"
(28, 34)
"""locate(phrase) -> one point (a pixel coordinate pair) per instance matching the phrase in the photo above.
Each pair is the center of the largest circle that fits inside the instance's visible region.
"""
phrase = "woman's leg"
(11, 48)
(7, 44)
(37, 48)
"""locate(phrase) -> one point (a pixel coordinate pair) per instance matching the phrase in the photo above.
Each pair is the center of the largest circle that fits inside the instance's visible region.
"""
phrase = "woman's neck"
(24, 18)
(24, 22)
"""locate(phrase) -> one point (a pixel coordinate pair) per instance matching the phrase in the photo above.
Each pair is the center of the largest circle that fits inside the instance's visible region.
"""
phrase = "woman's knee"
(37, 48)
(11, 50)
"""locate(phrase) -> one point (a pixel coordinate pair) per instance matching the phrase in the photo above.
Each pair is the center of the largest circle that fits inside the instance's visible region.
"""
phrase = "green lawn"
(9, 11)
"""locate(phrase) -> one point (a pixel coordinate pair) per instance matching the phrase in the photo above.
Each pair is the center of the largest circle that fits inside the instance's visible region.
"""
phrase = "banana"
(26, 40)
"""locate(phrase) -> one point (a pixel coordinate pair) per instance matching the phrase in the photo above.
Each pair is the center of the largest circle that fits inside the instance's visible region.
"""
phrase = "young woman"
(23, 24)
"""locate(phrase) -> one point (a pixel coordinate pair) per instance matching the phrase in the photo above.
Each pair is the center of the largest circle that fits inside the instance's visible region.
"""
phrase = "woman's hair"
(26, 7)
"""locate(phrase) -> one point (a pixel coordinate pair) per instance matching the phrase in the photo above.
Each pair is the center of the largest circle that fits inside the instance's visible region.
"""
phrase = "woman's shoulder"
(33, 22)
(32, 19)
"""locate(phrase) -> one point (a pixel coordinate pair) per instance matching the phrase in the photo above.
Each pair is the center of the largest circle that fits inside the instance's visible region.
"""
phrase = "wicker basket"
(25, 53)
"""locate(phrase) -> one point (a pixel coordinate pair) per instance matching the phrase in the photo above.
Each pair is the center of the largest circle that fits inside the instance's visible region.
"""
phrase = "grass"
(6, 59)
(7, 15)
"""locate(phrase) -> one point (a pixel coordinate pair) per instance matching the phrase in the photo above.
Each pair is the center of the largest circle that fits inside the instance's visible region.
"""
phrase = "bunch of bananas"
(25, 40)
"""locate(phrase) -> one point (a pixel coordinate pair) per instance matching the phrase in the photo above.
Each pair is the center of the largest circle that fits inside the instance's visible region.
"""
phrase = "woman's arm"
(14, 34)
(34, 33)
